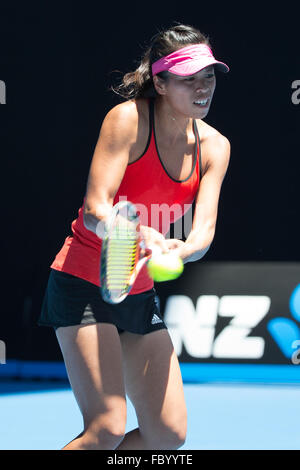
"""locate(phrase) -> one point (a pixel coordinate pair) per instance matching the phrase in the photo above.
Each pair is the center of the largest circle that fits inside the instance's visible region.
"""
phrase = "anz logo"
(195, 327)
(286, 331)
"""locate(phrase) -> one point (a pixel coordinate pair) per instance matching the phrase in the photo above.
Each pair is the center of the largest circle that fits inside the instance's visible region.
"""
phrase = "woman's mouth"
(202, 103)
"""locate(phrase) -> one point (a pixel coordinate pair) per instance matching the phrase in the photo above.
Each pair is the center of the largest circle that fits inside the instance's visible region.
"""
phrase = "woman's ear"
(159, 85)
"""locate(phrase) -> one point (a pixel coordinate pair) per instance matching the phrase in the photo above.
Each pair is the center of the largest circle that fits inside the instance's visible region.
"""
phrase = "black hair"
(139, 84)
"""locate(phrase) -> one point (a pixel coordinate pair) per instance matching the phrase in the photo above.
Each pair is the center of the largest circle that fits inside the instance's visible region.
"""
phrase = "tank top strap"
(151, 115)
(198, 147)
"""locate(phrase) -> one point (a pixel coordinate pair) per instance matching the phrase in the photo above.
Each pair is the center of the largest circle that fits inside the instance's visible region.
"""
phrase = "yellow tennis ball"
(165, 267)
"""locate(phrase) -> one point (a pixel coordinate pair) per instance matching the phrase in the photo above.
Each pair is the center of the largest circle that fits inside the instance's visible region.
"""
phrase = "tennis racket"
(123, 253)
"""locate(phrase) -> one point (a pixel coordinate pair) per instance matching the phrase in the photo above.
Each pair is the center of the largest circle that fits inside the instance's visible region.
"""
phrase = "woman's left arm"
(216, 149)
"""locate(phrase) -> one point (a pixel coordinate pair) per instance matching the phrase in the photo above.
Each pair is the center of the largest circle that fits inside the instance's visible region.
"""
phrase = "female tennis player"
(154, 149)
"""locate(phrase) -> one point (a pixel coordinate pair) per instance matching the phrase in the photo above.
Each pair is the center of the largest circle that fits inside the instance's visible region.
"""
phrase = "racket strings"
(120, 253)
(121, 259)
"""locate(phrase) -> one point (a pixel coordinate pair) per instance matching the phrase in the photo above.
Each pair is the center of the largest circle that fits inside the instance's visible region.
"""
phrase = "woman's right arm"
(116, 141)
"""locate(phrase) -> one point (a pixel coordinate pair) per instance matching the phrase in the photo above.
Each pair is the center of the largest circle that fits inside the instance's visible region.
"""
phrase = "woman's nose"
(202, 89)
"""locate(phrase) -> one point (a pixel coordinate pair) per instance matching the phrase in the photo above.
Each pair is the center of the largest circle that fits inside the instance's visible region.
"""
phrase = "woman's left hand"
(185, 250)
(176, 246)
(174, 243)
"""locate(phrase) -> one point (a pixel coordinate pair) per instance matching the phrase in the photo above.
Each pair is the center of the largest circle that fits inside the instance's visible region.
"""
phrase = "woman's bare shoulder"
(130, 111)
(128, 124)
(206, 131)
(214, 145)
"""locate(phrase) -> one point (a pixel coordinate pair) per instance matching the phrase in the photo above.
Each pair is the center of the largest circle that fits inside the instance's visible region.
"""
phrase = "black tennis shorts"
(70, 300)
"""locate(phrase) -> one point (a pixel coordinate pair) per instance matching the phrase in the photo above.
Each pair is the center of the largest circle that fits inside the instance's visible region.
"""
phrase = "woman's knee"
(106, 431)
(102, 439)
(168, 435)
(167, 438)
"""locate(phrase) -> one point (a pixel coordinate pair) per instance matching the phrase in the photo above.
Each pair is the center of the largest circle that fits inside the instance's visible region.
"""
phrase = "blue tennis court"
(44, 415)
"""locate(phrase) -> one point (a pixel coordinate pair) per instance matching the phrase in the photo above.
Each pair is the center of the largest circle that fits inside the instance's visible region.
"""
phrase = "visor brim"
(193, 66)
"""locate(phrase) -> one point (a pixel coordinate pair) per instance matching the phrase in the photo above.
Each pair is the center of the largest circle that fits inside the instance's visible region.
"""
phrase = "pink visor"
(188, 60)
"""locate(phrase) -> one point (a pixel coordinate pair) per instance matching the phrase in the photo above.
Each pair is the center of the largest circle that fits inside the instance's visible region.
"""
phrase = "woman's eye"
(192, 79)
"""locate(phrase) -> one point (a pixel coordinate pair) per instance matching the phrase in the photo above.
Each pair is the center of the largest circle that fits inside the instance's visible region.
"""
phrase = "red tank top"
(160, 199)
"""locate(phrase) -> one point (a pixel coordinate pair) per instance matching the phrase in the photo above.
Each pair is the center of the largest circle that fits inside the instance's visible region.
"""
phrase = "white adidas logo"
(155, 319)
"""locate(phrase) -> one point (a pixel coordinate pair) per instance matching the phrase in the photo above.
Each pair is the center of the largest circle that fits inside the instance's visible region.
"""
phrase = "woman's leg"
(154, 385)
(93, 358)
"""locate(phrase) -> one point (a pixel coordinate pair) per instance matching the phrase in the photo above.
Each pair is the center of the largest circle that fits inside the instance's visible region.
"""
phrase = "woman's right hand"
(153, 239)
